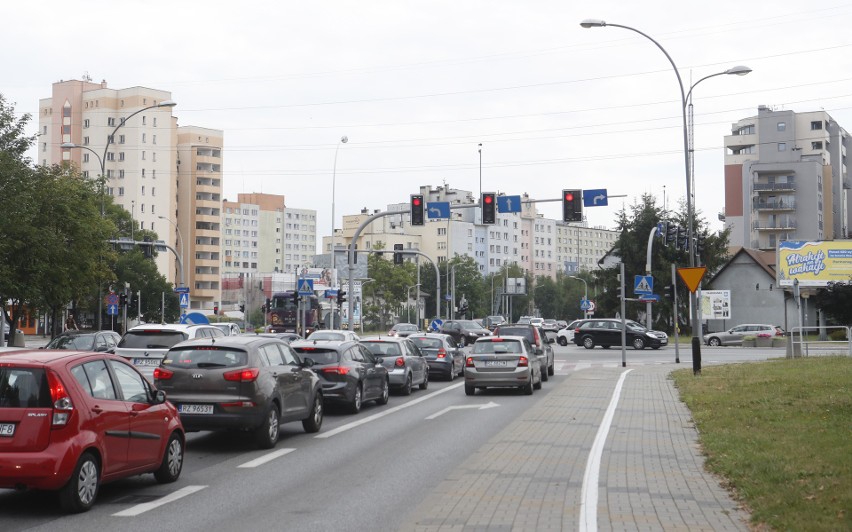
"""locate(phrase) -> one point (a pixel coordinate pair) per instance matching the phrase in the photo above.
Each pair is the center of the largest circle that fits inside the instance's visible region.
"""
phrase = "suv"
(241, 382)
(493, 321)
(735, 335)
(71, 420)
(606, 332)
(464, 332)
(536, 338)
(145, 346)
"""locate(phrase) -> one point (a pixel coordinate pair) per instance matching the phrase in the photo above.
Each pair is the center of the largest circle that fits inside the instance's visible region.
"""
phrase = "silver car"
(735, 335)
(502, 362)
(404, 361)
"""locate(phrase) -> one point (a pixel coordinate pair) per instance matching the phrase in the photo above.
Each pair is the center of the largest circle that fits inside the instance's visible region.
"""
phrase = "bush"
(837, 335)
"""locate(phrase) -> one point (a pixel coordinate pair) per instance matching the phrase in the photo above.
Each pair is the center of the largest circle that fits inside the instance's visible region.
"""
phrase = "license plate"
(146, 361)
(7, 429)
(195, 409)
(496, 363)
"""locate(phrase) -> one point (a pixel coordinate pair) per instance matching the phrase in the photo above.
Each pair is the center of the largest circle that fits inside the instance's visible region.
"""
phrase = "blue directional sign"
(330, 294)
(112, 310)
(643, 284)
(508, 204)
(438, 209)
(181, 289)
(184, 300)
(306, 287)
(649, 298)
(594, 198)
(436, 324)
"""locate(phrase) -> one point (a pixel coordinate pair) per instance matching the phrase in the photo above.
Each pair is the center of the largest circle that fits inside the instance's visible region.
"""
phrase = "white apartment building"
(300, 238)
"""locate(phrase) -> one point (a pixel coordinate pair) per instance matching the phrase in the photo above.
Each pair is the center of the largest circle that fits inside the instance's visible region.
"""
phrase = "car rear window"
(406, 327)
(206, 357)
(153, 339)
(327, 336)
(383, 348)
(497, 346)
(318, 354)
(526, 332)
(23, 388)
(427, 343)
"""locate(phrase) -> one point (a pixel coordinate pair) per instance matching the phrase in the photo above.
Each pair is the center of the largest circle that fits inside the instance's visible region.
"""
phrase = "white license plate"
(196, 409)
(7, 429)
(496, 363)
(146, 361)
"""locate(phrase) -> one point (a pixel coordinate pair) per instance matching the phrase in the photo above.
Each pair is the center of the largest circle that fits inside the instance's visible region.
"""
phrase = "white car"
(230, 329)
(145, 346)
(565, 335)
(333, 335)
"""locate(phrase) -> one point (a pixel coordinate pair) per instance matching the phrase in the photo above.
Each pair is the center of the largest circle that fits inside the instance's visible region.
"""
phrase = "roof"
(766, 260)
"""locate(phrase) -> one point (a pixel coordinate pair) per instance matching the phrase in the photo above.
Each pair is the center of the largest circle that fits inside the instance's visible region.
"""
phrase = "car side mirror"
(538, 351)
(159, 397)
(306, 363)
(379, 360)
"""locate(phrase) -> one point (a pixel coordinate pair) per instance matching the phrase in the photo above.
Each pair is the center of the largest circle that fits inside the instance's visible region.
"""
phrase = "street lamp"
(182, 248)
(408, 299)
(690, 207)
(585, 292)
(343, 140)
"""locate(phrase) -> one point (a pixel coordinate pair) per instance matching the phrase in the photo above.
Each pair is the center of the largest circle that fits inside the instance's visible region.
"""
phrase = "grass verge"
(780, 434)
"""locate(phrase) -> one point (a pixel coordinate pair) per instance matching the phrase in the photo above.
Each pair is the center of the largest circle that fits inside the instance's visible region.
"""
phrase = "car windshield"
(405, 327)
(206, 357)
(83, 342)
(23, 388)
(319, 355)
(321, 335)
(151, 339)
(634, 326)
(497, 346)
(380, 348)
(426, 343)
(226, 327)
(469, 324)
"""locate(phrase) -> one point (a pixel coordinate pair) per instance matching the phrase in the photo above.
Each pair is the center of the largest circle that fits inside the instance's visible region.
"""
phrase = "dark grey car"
(241, 382)
(540, 343)
(444, 356)
(464, 332)
(99, 341)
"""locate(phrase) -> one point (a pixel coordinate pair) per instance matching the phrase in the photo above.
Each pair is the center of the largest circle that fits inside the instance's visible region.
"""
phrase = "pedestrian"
(70, 324)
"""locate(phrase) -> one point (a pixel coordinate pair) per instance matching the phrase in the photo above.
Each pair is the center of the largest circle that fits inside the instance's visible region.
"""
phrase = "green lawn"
(780, 434)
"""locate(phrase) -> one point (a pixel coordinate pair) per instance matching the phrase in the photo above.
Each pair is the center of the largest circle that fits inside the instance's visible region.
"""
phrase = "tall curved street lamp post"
(685, 97)
(182, 248)
(102, 178)
(343, 140)
(585, 292)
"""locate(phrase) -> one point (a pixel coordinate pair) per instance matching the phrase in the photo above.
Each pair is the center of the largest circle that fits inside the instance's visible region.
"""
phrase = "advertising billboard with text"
(814, 263)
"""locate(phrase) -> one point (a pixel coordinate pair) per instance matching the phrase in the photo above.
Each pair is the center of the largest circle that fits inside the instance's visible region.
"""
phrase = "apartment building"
(786, 178)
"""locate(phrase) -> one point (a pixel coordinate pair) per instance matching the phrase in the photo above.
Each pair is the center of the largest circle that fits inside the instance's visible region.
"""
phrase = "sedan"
(607, 332)
(99, 341)
(502, 362)
(444, 356)
(241, 383)
(403, 360)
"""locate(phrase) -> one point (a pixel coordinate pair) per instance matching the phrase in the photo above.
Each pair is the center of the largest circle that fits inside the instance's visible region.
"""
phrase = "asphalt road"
(361, 472)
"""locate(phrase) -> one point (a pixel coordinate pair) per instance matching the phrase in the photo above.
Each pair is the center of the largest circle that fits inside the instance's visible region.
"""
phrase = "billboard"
(814, 263)
(715, 304)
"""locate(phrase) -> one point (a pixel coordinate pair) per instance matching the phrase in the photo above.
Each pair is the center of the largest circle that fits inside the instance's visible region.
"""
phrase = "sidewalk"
(530, 476)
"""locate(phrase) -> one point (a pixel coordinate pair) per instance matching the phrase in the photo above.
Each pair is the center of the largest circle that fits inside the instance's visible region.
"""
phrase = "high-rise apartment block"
(786, 179)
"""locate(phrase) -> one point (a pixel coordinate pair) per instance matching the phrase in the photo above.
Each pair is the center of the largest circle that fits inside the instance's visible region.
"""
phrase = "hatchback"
(501, 362)
(403, 329)
(230, 329)
(542, 349)
(735, 335)
(241, 382)
(99, 341)
(71, 421)
(403, 360)
(333, 335)
(444, 356)
(464, 332)
(146, 345)
(349, 372)
(565, 335)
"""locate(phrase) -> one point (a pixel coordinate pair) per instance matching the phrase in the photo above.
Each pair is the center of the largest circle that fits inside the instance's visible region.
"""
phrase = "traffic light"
(341, 297)
(355, 255)
(268, 303)
(668, 292)
(489, 208)
(397, 257)
(572, 205)
(295, 297)
(215, 309)
(417, 207)
(134, 299)
(671, 233)
(700, 243)
(122, 300)
(148, 247)
(242, 308)
(682, 239)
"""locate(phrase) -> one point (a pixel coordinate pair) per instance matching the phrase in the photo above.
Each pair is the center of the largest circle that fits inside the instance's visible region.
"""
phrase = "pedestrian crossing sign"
(643, 284)
(306, 287)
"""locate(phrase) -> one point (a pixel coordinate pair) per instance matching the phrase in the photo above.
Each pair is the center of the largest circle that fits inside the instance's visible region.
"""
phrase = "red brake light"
(495, 339)
(163, 374)
(399, 362)
(242, 375)
(62, 406)
(523, 362)
(338, 370)
(469, 362)
(442, 353)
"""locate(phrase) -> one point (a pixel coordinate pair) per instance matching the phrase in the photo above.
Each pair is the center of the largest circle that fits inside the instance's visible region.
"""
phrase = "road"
(361, 472)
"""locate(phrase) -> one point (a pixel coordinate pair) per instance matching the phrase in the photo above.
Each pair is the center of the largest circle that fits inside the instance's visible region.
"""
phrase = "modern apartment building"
(786, 179)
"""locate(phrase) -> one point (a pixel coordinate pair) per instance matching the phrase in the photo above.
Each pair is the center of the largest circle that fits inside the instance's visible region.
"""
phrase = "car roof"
(495, 339)
(168, 326)
(379, 338)
(224, 341)
(324, 344)
(48, 356)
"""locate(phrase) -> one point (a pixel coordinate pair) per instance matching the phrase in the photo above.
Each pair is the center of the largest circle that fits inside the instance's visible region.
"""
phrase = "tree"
(836, 301)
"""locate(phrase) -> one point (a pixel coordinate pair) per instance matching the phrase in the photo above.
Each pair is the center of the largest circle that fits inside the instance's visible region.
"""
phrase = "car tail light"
(468, 362)
(336, 370)
(523, 362)
(391, 333)
(242, 375)
(242, 404)
(163, 374)
(442, 353)
(536, 336)
(399, 362)
(62, 405)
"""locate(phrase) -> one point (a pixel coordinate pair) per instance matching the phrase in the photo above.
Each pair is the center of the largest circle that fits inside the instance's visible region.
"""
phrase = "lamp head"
(593, 23)
(167, 103)
(739, 70)
(67, 145)
(344, 139)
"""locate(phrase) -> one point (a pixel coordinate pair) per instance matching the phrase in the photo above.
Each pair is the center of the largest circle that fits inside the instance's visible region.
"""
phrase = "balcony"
(781, 223)
(774, 187)
(774, 205)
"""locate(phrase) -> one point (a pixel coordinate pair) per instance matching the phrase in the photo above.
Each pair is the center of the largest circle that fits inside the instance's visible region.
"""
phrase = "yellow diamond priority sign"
(692, 276)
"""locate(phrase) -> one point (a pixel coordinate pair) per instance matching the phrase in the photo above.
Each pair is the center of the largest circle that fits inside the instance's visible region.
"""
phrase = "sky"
(511, 96)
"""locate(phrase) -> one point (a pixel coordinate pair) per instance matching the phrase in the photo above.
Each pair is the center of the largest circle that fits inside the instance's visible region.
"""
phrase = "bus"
(283, 314)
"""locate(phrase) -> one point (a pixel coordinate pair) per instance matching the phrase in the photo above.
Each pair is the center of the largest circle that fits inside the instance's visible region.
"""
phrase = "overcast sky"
(417, 86)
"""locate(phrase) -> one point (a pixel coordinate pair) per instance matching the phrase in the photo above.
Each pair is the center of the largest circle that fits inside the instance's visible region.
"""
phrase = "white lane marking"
(485, 406)
(384, 413)
(133, 511)
(589, 492)
(266, 458)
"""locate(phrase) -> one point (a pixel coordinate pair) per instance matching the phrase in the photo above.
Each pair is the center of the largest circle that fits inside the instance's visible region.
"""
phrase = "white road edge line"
(387, 412)
(133, 511)
(591, 477)
(266, 458)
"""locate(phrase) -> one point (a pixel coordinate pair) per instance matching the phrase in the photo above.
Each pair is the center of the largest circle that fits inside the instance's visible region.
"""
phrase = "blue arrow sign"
(508, 204)
(112, 310)
(595, 198)
(184, 300)
(436, 324)
(306, 287)
(643, 284)
(181, 289)
(438, 209)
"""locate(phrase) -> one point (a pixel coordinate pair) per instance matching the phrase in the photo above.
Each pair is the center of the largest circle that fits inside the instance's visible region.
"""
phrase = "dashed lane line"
(133, 511)
(268, 457)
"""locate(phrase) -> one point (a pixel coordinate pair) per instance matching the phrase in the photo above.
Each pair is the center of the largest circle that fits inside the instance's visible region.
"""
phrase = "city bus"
(283, 314)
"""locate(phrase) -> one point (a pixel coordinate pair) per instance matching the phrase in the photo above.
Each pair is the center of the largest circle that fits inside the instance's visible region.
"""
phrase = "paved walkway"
(531, 475)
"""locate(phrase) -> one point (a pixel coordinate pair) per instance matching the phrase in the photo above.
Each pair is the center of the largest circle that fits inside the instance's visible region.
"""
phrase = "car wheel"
(561, 340)
(79, 494)
(313, 422)
(355, 405)
(544, 376)
(528, 389)
(425, 383)
(714, 342)
(266, 434)
(551, 370)
(537, 385)
(172, 463)
(638, 344)
(469, 389)
(383, 399)
(406, 388)
(451, 375)
(588, 343)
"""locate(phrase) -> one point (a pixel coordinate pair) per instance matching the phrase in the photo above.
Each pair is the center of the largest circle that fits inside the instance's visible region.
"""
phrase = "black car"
(464, 332)
(539, 341)
(241, 382)
(349, 372)
(100, 341)
(444, 356)
(606, 332)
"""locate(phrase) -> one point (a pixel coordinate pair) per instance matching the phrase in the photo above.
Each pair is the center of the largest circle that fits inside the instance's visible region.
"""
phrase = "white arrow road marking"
(268, 457)
(486, 406)
(133, 511)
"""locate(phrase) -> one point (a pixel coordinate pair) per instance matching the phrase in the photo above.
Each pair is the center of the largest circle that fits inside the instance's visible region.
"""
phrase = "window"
(782, 146)
(121, 191)
(85, 157)
(111, 122)
(153, 191)
(94, 379)
(143, 138)
(143, 155)
(85, 124)
(121, 139)
(816, 145)
(782, 126)
(131, 383)
(816, 125)
(85, 141)
(120, 156)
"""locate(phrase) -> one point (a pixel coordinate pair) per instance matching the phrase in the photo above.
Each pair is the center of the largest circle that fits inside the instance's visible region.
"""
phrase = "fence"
(817, 341)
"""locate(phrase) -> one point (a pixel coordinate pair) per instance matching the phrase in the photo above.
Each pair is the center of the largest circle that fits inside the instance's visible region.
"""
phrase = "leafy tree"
(836, 301)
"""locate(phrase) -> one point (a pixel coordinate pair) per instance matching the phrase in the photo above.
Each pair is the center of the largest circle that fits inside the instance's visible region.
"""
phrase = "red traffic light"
(569, 196)
(488, 198)
(415, 201)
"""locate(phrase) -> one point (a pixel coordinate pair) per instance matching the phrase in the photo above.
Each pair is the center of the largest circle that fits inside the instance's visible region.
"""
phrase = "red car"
(72, 420)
